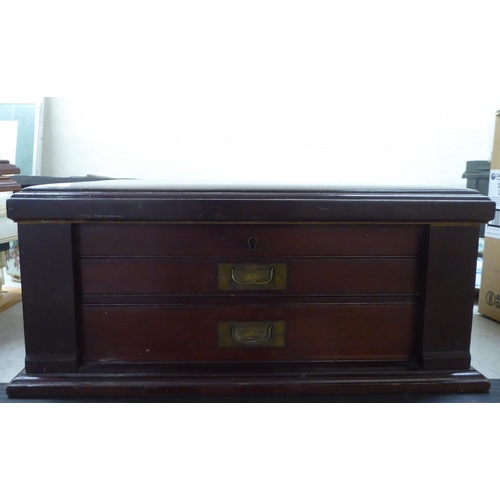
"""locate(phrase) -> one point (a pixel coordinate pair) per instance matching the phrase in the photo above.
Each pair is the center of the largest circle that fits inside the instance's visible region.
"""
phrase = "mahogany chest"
(138, 289)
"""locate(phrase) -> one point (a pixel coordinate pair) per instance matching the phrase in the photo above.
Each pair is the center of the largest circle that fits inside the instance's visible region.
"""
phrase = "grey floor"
(485, 344)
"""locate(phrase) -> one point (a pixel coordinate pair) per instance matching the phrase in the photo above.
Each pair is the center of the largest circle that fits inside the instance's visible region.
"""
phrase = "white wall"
(372, 93)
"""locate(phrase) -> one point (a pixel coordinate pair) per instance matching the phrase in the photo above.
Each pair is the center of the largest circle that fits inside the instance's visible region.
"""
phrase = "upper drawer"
(158, 276)
(249, 240)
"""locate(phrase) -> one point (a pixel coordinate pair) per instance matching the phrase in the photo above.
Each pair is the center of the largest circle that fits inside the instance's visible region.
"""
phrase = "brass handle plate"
(252, 276)
(252, 334)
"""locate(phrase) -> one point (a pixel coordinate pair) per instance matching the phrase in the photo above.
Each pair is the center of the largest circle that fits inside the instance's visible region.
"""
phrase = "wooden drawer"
(234, 240)
(186, 334)
(163, 276)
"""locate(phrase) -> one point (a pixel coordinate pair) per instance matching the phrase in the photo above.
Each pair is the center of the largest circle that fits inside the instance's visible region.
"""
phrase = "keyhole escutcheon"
(252, 243)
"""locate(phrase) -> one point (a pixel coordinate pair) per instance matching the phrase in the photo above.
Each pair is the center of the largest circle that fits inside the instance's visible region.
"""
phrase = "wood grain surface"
(333, 332)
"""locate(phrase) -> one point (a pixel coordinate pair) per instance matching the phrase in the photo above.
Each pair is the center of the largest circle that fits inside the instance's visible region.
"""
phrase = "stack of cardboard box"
(489, 294)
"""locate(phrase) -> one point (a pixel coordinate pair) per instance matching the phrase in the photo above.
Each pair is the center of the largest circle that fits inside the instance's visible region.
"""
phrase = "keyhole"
(252, 243)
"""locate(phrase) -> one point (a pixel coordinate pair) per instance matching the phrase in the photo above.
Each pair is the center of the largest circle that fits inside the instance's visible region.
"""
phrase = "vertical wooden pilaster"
(449, 297)
(50, 328)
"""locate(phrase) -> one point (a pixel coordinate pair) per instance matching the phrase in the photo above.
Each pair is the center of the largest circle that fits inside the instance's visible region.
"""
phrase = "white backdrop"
(391, 93)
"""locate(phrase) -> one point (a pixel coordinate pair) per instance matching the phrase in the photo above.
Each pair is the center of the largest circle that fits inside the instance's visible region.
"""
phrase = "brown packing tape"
(495, 155)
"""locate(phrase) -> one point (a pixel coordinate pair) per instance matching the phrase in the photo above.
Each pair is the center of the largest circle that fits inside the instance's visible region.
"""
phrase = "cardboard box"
(489, 294)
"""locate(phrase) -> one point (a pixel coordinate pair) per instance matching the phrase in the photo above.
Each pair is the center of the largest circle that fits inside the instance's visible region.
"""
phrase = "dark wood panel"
(449, 297)
(343, 332)
(128, 276)
(50, 323)
(233, 240)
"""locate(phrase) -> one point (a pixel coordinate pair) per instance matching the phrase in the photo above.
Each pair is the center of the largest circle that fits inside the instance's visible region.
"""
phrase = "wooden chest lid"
(143, 201)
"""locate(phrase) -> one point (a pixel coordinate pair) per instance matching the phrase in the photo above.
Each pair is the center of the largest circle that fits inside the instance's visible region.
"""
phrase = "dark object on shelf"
(7, 183)
(477, 174)
(126, 290)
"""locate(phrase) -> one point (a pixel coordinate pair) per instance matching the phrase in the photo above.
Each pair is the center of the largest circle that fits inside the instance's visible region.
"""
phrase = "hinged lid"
(142, 201)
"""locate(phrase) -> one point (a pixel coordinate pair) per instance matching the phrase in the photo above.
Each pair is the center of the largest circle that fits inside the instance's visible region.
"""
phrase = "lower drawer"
(186, 334)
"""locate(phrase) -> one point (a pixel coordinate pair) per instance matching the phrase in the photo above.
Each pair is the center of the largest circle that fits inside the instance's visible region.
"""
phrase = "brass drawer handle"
(252, 276)
(251, 335)
(256, 277)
